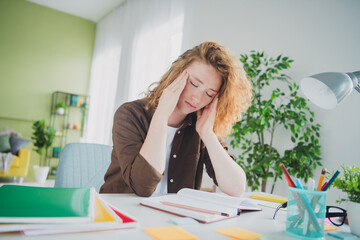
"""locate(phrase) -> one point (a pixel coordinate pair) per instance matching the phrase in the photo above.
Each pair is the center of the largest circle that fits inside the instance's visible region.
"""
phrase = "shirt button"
(179, 132)
(174, 156)
(171, 180)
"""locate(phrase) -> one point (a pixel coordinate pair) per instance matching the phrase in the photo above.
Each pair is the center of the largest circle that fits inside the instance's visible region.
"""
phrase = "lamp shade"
(328, 89)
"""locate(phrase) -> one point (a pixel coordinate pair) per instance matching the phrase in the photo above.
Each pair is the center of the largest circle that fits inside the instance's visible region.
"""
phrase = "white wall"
(321, 35)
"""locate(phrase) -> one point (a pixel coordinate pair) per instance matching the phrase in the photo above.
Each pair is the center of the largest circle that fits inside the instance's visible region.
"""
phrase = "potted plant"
(42, 139)
(272, 109)
(60, 108)
(83, 107)
(349, 183)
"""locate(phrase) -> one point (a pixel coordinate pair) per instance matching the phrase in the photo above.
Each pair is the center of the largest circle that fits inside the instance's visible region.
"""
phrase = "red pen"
(323, 186)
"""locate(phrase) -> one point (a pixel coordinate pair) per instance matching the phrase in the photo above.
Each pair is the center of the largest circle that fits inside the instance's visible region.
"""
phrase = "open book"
(103, 216)
(203, 206)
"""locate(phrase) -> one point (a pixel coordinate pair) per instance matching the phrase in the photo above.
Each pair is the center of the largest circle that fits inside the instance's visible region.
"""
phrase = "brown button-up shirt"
(129, 172)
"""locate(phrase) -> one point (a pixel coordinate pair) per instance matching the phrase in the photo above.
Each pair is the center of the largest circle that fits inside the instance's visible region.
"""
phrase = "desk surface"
(47, 183)
(258, 221)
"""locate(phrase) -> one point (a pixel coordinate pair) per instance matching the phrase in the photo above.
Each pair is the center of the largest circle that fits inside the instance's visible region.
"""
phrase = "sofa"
(19, 167)
(14, 158)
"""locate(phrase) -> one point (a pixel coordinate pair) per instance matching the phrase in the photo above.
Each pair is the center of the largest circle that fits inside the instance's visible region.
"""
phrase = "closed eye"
(209, 95)
(193, 84)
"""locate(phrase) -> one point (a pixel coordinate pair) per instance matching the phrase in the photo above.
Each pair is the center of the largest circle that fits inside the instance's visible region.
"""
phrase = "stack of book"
(43, 211)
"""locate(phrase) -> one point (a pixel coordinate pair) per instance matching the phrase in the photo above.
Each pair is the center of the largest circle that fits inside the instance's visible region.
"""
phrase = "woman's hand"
(206, 118)
(153, 149)
(227, 171)
(170, 96)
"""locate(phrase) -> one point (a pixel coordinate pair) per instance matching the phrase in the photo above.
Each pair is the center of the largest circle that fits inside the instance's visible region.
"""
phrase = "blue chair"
(83, 165)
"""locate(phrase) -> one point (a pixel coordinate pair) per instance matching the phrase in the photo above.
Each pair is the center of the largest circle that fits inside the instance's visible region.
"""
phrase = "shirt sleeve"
(129, 133)
(206, 159)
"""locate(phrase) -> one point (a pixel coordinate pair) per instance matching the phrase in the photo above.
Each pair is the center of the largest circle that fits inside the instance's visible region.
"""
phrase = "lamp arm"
(355, 77)
(358, 87)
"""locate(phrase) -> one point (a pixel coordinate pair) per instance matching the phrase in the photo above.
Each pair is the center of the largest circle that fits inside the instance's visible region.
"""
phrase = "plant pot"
(60, 111)
(41, 173)
(353, 212)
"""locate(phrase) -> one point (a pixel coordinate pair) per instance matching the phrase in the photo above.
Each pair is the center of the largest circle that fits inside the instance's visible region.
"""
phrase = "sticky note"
(169, 233)
(327, 221)
(330, 228)
(238, 233)
(342, 235)
(183, 221)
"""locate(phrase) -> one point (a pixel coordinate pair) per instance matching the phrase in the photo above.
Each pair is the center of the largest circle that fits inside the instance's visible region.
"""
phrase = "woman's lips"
(190, 105)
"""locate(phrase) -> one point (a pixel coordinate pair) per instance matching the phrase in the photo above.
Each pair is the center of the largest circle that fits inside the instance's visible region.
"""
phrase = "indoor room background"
(114, 59)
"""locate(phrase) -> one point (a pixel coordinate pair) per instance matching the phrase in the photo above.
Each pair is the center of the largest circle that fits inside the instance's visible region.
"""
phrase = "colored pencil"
(331, 180)
(195, 209)
(287, 176)
(298, 183)
(323, 186)
(323, 171)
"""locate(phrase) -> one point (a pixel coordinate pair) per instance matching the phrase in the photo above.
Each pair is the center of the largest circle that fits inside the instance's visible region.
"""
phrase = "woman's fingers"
(209, 109)
(171, 94)
(206, 117)
(180, 81)
(214, 103)
(176, 87)
(199, 113)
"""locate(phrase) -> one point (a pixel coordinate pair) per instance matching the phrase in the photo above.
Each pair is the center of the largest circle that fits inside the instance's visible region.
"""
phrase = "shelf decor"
(56, 152)
(60, 108)
(73, 100)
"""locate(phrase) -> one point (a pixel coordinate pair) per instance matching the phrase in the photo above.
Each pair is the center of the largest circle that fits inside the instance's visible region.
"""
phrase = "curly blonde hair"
(235, 92)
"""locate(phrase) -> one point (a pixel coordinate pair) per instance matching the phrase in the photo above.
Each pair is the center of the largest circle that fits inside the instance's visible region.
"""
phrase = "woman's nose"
(195, 99)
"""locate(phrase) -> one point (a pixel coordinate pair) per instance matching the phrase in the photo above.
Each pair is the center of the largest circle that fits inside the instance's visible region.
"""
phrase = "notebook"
(113, 219)
(106, 217)
(24, 204)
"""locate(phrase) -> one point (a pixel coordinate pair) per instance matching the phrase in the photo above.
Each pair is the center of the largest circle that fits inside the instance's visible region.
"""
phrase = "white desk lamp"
(328, 89)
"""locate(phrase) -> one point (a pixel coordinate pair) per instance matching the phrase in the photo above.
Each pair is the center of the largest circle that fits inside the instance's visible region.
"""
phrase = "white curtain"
(134, 46)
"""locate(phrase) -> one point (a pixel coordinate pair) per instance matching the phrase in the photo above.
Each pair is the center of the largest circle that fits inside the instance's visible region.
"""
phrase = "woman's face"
(203, 84)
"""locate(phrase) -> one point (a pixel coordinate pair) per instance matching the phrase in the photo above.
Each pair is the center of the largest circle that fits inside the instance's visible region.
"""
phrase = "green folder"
(23, 204)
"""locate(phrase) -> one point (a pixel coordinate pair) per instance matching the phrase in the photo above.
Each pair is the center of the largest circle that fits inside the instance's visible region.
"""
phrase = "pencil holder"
(306, 212)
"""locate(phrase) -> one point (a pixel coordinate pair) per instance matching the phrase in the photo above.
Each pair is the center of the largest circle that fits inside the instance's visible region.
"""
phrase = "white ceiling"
(93, 10)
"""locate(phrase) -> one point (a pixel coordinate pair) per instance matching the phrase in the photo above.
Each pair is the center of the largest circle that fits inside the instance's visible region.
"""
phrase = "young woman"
(162, 142)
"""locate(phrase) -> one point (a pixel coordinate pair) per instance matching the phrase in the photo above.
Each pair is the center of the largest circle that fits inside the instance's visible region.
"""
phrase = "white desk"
(47, 183)
(259, 221)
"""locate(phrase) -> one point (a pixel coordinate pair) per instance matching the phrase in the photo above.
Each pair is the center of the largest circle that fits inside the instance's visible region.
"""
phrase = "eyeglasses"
(336, 215)
(284, 205)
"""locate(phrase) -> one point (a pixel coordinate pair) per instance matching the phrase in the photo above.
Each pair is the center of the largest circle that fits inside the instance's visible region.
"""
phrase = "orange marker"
(323, 171)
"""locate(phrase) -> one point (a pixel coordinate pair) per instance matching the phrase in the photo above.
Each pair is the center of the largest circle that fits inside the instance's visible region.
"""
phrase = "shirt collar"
(189, 120)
